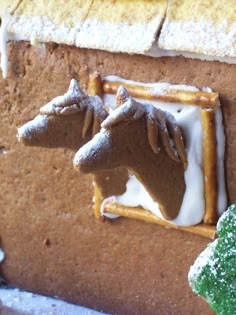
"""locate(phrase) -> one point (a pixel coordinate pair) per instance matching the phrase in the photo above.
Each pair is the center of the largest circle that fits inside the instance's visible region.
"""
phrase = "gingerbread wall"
(53, 243)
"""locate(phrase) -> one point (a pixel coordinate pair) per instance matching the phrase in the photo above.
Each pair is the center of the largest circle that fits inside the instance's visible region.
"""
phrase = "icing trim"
(3, 45)
(2, 255)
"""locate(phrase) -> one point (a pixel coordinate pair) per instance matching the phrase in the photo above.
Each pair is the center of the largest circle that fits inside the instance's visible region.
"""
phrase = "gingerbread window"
(198, 114)
(156, 150)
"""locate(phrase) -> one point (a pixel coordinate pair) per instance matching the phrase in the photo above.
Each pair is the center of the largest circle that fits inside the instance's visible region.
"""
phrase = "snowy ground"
(15, 302)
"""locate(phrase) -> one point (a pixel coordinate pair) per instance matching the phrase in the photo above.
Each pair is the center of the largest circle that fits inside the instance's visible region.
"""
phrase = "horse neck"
(111, 182)
(157, 172)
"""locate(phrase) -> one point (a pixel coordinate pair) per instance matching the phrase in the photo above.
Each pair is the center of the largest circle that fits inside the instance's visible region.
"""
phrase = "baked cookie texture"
(52, 242)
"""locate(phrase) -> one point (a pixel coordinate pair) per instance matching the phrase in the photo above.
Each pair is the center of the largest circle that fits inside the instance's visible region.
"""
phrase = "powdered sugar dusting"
(214, 272)
(130, 38)
(40, 28)
(37, 125)
(65, 104)
(90, 149)
(54, 107)
(202, 37)
(73, 101)
(226, 216)
(130, 109)
(205, 258)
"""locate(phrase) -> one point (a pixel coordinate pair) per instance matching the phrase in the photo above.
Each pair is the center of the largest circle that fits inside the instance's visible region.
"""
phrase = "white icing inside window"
(188, 117)
(2, 255)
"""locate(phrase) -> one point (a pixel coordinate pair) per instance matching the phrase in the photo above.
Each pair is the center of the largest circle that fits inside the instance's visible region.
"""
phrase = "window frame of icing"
(208, 103)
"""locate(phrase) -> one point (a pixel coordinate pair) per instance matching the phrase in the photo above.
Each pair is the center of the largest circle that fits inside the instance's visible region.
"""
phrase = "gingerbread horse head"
(148, 142)
(69, 120)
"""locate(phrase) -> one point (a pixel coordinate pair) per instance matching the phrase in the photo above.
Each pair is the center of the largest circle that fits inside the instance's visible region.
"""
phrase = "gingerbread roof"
(205, 27)
(201, 27)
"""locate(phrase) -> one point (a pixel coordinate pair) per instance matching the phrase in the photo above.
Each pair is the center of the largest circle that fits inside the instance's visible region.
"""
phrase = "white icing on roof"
(101, 27)
(42, 29)
(202, 37)
(158, 52)
(135, 38)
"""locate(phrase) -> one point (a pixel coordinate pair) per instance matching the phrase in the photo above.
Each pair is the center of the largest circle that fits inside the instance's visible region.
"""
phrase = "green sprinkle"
(213, 275)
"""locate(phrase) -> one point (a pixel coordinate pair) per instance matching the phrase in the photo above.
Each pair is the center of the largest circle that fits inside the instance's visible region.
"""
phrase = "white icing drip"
(37, 125)
(2, 255)
(188, 117)
(3, 45)
(157, 52)
(192, 208)
(142, 198)
(103, 206)
(222, 198)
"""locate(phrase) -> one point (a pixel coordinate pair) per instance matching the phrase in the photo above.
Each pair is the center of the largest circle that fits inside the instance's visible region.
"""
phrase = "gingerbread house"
(144, 134)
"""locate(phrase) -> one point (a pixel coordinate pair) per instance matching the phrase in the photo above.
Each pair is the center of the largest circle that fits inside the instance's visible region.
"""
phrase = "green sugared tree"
(213, 275)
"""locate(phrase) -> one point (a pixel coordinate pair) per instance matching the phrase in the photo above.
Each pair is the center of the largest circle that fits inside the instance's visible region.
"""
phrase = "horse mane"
(160, 125)
(74, 101)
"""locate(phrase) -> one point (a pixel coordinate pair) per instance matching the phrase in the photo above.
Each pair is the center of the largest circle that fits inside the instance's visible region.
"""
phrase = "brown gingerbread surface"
(53, 243)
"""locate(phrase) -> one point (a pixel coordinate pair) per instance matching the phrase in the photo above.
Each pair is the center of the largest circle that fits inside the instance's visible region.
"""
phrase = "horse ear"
(74, 88)
(122, 96)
